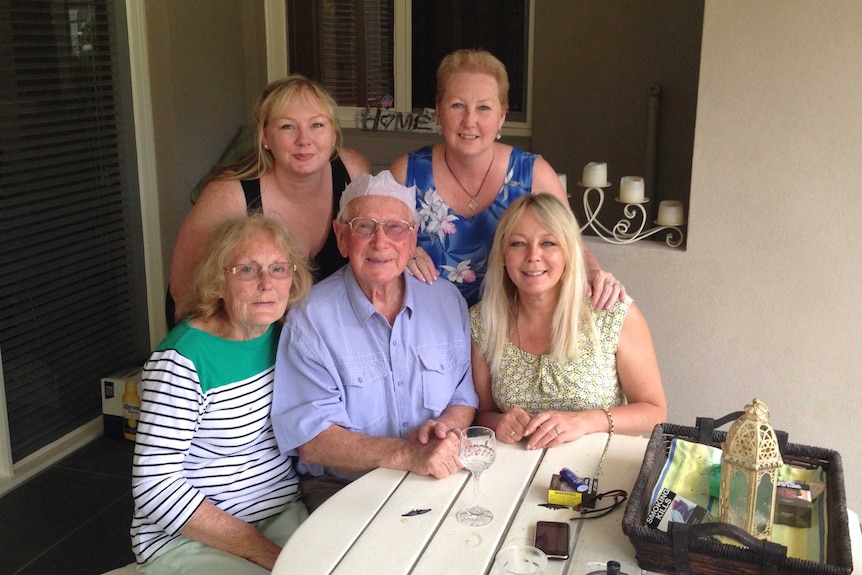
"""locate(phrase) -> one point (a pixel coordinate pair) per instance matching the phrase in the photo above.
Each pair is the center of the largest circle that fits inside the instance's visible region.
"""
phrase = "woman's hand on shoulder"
(422, 267)
(603, 289)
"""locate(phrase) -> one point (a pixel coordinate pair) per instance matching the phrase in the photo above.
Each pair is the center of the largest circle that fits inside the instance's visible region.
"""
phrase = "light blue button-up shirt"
(339, 362)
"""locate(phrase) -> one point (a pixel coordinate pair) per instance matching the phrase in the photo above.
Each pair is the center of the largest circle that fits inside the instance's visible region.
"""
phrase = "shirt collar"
(362, 307)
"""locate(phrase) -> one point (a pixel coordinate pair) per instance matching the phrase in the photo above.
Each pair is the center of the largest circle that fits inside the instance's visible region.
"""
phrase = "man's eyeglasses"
(365, 228)
(252, 271)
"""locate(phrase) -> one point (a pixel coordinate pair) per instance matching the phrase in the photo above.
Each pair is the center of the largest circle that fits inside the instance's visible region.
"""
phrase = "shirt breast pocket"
(443, 366)
(365, 392)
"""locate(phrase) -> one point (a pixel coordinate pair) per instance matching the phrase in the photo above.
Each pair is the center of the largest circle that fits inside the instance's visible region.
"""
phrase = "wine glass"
(477, 450)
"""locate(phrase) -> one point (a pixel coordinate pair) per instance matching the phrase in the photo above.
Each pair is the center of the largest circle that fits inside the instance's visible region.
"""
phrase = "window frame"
(275, 13)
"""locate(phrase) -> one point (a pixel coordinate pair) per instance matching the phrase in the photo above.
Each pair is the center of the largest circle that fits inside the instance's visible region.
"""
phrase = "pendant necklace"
(473, 203)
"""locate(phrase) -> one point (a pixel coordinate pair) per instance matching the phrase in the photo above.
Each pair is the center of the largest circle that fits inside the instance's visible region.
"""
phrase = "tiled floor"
(72, 518)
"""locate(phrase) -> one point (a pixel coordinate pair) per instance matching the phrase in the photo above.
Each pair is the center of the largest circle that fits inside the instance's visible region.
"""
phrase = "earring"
(266, 146)
(499, 135)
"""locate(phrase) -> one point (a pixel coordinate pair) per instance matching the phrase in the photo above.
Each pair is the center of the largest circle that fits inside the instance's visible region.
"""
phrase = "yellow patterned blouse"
(536, 384)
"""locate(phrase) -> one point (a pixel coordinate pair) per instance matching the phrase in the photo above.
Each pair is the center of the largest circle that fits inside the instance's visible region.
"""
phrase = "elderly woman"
(546, 364)
(212, 492)
(296, 174)
(466, 183)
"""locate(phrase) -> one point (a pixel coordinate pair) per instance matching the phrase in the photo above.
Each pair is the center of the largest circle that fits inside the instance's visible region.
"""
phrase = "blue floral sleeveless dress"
(460, 246)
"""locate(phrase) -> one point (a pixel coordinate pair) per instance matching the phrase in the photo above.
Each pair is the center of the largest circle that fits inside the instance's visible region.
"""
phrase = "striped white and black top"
(205, 432)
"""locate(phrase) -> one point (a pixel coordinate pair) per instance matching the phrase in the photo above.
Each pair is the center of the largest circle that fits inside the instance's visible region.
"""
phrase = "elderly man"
(374, 369)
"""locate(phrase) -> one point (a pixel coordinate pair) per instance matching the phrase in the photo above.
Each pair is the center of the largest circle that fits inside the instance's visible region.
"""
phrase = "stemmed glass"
(477, 451)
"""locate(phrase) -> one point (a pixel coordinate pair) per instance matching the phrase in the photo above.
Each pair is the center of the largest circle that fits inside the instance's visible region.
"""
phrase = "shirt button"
(404, 425)
(400, 384)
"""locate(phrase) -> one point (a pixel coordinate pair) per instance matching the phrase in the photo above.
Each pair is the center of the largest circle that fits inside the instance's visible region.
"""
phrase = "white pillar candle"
(631, 190)
(595, 175)
(670, 213)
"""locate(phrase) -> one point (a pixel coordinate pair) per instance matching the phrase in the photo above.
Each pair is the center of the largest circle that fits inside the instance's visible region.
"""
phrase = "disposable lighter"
(576, 482)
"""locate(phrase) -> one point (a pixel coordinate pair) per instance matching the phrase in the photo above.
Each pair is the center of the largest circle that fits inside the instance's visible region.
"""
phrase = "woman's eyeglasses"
(252, 271)
(365, 228)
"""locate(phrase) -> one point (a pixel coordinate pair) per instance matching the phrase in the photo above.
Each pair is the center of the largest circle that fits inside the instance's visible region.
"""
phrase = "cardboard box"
(113, 389)
(793, 503)
(561, 493)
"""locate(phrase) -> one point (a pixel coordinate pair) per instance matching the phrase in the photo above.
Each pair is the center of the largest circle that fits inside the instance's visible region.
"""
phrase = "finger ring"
(611, 284)
(512, 433)
(557, 430)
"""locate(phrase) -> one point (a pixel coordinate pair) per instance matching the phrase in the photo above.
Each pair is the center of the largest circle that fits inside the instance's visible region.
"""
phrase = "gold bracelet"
(607, 441)
(610, 420)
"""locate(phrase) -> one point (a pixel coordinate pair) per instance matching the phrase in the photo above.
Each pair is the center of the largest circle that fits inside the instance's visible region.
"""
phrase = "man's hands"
(433, 450)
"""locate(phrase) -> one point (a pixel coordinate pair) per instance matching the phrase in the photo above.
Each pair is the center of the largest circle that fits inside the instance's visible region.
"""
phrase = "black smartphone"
(552, 537)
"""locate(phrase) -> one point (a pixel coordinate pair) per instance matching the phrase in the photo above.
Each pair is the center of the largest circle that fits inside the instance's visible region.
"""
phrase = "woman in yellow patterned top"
(547, 366)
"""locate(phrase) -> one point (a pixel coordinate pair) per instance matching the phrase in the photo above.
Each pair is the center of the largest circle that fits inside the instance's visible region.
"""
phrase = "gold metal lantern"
(749, 466)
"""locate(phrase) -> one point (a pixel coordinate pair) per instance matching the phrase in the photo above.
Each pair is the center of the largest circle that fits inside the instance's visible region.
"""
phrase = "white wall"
(763, 303)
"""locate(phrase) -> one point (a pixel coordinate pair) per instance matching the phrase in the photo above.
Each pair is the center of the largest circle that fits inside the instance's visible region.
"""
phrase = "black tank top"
(329, 259)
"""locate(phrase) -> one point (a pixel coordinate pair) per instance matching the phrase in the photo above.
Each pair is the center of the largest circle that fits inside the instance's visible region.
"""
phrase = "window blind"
(65, 297)
(346, 45)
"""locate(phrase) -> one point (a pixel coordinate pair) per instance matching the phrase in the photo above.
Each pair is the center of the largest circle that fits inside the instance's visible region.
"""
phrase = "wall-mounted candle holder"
(670, 212)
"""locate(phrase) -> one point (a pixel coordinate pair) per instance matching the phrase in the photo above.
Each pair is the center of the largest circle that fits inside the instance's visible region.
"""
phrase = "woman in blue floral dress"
(466, 183)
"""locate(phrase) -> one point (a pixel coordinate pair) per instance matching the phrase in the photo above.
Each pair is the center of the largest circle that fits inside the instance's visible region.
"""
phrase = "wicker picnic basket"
(690, 549)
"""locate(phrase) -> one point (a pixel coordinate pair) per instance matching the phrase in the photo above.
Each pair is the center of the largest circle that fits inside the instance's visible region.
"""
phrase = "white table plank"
(392, 544)
(328, 533)
(468, 549)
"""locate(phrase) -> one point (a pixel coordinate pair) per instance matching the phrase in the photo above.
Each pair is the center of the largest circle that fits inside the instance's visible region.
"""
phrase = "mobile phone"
(552, 537)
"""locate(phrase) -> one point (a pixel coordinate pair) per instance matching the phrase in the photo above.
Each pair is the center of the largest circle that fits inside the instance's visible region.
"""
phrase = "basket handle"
(772, 554)
(706, 425)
